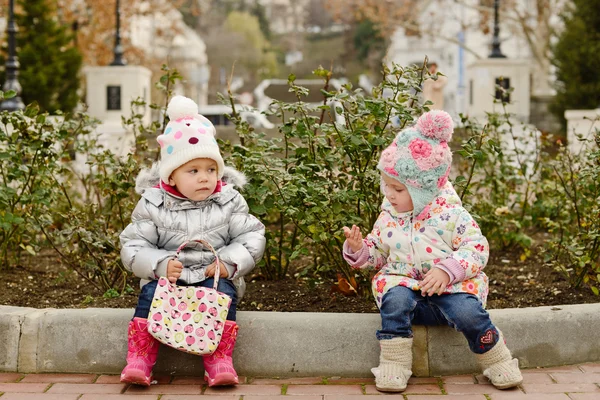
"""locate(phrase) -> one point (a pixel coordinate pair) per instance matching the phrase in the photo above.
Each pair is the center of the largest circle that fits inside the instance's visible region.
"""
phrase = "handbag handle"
(207, 245)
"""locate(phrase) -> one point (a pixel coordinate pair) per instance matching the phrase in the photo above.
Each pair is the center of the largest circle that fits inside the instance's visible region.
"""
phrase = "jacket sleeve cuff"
(453, 269)
(231, 269)
(355, 259)
(238, 257)
(161, 267)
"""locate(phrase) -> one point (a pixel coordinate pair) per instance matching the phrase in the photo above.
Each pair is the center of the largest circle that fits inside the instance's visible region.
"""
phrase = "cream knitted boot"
(499, 366)
(395, 364)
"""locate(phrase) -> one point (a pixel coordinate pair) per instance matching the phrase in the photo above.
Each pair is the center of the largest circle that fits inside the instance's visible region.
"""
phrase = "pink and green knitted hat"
(187, 136)
(420, 159)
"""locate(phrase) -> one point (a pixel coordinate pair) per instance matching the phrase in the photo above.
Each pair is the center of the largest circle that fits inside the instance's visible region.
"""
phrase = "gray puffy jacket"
(161, 222)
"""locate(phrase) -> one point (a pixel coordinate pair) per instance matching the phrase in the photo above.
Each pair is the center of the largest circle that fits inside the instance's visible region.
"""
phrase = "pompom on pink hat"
(187, 136)
(420, 158)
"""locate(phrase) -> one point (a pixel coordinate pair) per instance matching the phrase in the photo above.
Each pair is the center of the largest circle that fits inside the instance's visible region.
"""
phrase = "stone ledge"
(273, 344)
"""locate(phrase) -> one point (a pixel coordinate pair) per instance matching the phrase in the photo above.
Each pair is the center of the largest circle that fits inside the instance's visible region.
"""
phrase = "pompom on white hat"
(187, 136)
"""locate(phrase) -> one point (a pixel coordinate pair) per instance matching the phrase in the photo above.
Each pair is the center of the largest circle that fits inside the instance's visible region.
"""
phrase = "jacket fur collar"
(148, 179)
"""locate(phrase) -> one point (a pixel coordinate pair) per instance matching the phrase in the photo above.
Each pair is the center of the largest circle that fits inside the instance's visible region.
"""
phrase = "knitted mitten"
(499, 366)
(395, 363)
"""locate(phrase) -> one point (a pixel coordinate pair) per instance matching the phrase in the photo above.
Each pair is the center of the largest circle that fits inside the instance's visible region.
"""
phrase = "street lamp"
(12, 65)
(496, 52)
(118, 52)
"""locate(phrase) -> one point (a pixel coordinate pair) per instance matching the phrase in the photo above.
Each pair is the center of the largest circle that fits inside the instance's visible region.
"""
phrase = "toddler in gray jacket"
(188, 195)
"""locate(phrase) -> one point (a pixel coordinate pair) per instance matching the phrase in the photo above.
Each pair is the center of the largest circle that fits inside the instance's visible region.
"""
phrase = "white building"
(286, 16)
(110, 89)
(451, 36)
(180, 46)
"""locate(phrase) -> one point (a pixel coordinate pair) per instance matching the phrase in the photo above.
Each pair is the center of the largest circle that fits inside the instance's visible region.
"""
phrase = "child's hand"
(174, 269)
(210, 270)
(354, 238)
(435, 281)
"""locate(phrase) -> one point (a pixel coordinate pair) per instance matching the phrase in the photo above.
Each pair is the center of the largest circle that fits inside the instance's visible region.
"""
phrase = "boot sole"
(390, 390)
(136, 379)
(222, 379)
(509, 385)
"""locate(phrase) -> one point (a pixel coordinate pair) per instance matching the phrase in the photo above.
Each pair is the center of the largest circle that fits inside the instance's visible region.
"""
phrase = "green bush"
(48, 202)
(498, 170)
(320, 174)
(32, 146)
(96, 204)
(572, 194)
(315, 175)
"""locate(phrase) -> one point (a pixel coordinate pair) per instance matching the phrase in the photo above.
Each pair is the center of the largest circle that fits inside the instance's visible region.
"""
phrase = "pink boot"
(142, 350)
(218, 366)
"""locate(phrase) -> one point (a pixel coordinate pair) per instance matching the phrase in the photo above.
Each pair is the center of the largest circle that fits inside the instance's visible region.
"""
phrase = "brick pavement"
(575, 382)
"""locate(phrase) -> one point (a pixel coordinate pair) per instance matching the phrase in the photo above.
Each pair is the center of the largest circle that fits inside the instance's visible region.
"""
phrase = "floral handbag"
(189, 318)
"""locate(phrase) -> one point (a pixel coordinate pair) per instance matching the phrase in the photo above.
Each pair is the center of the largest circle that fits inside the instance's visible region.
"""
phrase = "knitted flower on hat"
(420, 159)
(187, 136)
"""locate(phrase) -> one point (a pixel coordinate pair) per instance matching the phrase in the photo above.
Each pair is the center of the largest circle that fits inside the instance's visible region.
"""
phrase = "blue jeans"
(225, 286)
(401, 307)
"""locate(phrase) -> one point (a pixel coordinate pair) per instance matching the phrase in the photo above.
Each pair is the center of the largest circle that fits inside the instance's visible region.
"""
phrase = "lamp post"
(12, 66)
(496, 52)
(118, 51)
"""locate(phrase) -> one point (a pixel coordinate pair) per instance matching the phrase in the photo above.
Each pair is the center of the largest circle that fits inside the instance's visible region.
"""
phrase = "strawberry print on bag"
(188, 318)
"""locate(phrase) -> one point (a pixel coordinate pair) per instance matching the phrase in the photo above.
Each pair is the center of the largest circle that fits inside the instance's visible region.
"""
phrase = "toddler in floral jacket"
(430, 255)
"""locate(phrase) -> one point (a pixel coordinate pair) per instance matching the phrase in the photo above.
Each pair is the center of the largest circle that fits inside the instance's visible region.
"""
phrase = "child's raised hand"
(354, 238)
(434, 282)
(210, 270)
(174, 269)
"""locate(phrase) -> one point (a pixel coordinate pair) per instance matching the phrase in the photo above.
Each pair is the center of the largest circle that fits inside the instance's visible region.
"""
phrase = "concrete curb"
(273, 344)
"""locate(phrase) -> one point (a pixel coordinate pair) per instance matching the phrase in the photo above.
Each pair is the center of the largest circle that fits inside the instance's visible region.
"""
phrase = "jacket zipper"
(203, 225)
(416, 263)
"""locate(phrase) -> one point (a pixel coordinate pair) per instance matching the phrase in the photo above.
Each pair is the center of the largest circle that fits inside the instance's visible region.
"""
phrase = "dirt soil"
(42, 282)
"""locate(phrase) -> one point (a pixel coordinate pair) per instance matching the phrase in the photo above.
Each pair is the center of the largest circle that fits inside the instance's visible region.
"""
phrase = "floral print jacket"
(403, 249)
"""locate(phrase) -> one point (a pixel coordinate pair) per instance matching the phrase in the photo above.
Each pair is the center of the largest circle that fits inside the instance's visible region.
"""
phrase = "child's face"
(196, 179)
(397, 194)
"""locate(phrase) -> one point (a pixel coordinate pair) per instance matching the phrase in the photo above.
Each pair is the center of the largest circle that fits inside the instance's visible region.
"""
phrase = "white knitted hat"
(187, 136)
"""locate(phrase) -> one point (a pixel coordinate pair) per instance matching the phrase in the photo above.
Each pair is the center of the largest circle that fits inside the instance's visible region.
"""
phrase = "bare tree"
(532, 21)
(94, 22)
